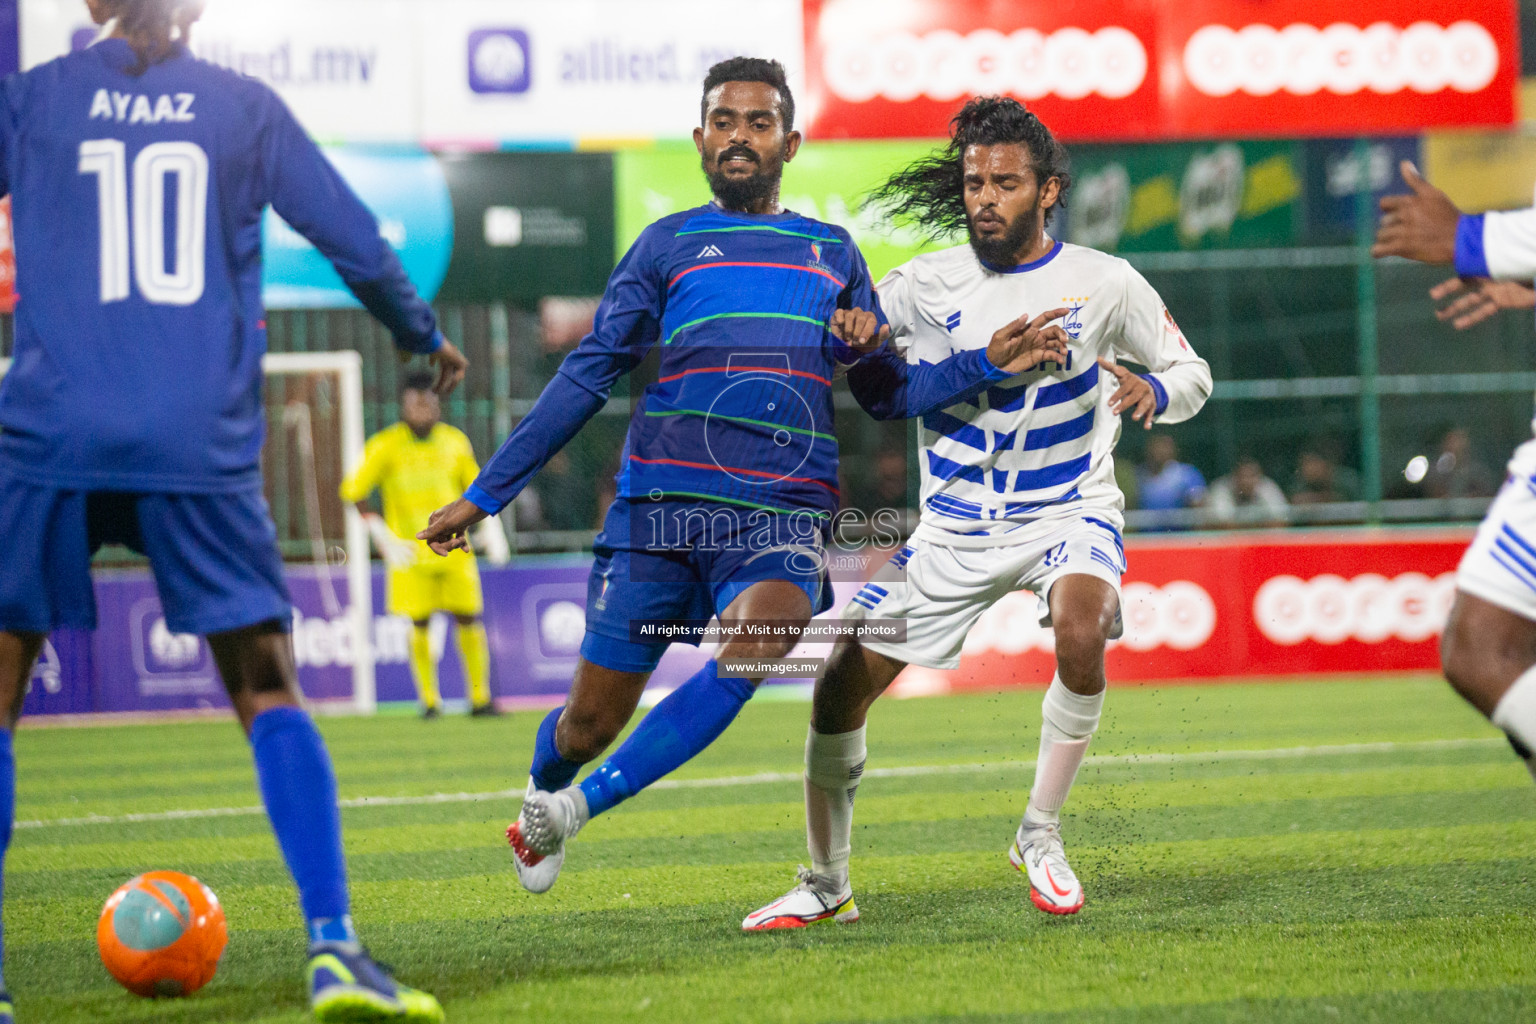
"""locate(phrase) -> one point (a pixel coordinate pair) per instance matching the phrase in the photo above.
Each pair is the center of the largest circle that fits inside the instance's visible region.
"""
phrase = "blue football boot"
(349, 988)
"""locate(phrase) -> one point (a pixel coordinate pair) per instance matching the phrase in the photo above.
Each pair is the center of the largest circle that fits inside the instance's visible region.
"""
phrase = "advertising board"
(1197, 607)
(1102, 69)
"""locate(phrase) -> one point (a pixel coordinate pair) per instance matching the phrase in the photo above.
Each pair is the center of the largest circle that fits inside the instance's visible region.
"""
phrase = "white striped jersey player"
(1500, 566)
(1018, 486)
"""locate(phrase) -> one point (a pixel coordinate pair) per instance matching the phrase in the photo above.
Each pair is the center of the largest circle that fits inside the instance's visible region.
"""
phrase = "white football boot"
(810, 902)
(538, 836)
(1038, 852)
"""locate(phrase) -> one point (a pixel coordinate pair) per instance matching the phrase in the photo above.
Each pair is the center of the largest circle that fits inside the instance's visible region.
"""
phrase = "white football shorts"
(1500, 566)
(941, 590)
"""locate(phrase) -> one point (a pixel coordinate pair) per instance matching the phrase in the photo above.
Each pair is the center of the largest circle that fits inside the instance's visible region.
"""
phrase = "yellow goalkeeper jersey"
(414, 477)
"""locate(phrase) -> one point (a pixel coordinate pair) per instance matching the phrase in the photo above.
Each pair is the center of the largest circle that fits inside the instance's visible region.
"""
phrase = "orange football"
(161, 934)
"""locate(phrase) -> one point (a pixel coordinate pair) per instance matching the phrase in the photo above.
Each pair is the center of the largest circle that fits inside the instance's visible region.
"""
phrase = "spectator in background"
(887, 484)
(1320, 478)
(1455, 472)
(1164, 484)
(1245, 497)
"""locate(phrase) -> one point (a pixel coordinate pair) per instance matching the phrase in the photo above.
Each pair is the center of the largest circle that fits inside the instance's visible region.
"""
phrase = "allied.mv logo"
(499, 61)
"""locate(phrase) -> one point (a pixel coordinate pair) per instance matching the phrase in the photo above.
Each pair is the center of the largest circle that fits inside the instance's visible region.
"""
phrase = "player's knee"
(1080, 640)
(256, 660)
(758, 649)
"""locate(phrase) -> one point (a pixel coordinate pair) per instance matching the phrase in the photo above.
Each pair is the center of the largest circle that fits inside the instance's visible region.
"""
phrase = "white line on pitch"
(761, 778)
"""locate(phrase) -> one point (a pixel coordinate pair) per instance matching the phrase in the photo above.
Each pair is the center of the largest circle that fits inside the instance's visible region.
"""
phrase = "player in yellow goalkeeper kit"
(418, 465)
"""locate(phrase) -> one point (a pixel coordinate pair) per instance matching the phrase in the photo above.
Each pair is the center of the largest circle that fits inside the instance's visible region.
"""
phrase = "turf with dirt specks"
(1390, 883)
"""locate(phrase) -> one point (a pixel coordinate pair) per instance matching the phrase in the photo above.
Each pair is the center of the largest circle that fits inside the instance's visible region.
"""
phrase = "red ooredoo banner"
(1251, 605)
(1102, 70)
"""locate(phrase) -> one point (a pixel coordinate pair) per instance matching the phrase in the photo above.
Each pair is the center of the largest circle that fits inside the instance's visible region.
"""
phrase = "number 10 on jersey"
(182, 284)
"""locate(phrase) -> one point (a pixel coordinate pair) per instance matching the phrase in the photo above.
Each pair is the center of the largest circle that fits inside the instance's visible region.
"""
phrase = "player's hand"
(1134, 393)
(1025, 343)
(1475, 299)
(448, 528)
(1419, 226)
(450, 364)
(859, 329)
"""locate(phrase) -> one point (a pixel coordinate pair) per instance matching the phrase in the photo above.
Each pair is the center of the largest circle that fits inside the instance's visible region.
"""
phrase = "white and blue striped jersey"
(1037, 447)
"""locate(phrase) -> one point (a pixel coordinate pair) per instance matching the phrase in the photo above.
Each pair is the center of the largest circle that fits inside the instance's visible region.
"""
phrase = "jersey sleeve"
(1497, 245)
(626, 326)
(308, 193)
(858, 293)
(895, 290)
(1149, 335)
(890, 388)
(363, 480)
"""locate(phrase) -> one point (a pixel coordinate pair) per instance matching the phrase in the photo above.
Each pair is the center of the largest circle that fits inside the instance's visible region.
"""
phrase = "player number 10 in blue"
(107, 159)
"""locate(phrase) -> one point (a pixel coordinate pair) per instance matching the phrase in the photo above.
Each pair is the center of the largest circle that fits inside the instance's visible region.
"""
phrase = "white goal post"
(347, 365)
(347, 368)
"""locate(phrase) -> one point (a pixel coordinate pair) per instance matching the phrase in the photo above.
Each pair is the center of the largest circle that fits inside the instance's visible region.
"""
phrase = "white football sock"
(1516, 715)
(1069, 722)
(834, 762)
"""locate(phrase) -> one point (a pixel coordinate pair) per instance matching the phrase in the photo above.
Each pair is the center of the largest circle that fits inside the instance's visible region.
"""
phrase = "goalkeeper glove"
(397, 553)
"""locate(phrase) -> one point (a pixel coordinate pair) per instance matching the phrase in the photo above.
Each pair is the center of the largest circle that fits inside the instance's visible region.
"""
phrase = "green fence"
(1300, 363)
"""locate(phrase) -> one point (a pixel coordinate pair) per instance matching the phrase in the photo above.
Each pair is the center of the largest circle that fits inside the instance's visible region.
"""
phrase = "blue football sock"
(7, 814)
(294, 773)
(684, 723)
(550, 771)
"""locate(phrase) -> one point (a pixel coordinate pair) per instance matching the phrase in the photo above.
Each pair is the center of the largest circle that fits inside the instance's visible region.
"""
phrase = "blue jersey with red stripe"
(739, 409)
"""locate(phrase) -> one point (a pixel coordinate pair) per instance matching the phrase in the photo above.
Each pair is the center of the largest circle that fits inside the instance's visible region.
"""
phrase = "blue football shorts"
(214, 556)
(670, 560)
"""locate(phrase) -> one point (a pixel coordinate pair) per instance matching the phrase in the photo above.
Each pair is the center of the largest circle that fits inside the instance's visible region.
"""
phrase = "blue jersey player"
(741, 313)
(132, 411)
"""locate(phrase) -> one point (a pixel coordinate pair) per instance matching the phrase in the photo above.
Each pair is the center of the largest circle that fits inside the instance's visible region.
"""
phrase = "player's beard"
(742, 193)
(1003, 250)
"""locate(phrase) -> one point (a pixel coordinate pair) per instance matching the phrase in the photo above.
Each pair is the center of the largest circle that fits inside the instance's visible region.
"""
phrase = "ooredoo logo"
(1179, 615)
(1070, 63)
(1302, 59)
(1370, 608)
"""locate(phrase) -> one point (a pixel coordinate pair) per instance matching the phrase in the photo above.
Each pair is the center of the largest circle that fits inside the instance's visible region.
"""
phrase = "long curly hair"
(152, 27)
(930, 192)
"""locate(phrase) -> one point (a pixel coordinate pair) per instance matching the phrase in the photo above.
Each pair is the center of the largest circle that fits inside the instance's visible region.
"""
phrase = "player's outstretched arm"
(308, 193)
(890, 388)
(1426, 226)
(627, 324)
(1475, 299)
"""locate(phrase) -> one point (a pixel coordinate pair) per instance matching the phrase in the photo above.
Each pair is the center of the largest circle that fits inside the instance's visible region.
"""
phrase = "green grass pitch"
(1373, 862)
